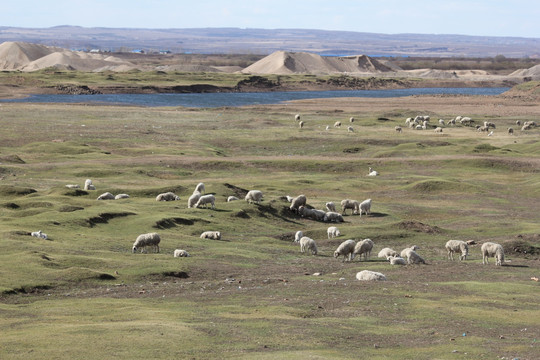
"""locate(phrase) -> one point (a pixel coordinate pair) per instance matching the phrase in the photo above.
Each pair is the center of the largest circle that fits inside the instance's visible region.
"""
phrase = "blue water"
(240, 99)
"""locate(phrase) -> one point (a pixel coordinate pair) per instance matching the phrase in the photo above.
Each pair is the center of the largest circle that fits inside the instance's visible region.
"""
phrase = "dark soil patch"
(76, 192)
(238, 191)
(8, 190)
(106, 277)
(172, 222)
(176, 274)
(10, 205)
(11, 159)
(241, 214)
(417, 226)
(70, 208)
(289, 237)
(105, 217)
(353, 150)
(520, 247)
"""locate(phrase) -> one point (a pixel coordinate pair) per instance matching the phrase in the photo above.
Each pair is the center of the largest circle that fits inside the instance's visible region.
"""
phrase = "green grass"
(253, 294)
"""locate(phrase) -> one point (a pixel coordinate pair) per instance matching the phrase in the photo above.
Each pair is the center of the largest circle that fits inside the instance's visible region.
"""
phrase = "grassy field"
(83, 294)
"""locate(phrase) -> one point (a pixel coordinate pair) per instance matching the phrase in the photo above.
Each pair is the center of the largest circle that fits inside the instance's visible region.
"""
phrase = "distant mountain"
(264, 42)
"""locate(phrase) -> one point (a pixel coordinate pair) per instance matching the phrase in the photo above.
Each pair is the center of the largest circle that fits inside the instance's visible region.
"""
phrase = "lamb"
(301, 124)
(39, 234)
(398, 129)
(232, 198)
(368, 275)
(490, 249)
(145, 240)
(298, 201)
(254, 196)
(349, 204)
(510, 131)
(333, 232)
(386, 253)
(106, 196)
(308, 244)
(121, 196)
(518, 123)
(331, 216)
(414, 258)
(372, 172)
(205, 200)
(466, 121)
(441, 122)
(199, 188)
(363, 247)
(438, 129)
(365, 207)
(299, 234)
(213, 235)
(351, 119)
(405, 251)
(180, 253)
(396, 260)
(168, 196)
(454, 246)
(330, 206)
(193, 199)
(489, 124)
(337, 124)
(350, 129)
(345, 249)
(88, 185)
(297, 117)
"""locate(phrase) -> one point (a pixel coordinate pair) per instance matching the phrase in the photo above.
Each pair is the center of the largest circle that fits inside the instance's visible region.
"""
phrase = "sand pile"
(32, 57)
(283, 62)
(533, 72)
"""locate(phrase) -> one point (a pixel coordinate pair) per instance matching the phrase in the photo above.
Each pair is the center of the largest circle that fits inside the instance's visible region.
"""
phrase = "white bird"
(490, 133)
(372, 172)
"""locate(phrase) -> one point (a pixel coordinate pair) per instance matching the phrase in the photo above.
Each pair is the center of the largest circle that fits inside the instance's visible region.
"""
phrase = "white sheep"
(351, 119)
(298, 201)
(327, 127)
(345, 249)
(289, 198)
(333, 232)
(297, 117)
(168, 196)
(372, 172)
(396, 260)
(254, 196)
(314, 214)
(454, 246)
(490, 249)
(331, 216)
(213, 235)
(298, 235)
(510, 131)
(350, 129)
(337, 124)
(330, 206)
(386, 253)
(301, 124)
(199, 188)
(39, 234)
(106, 196)
(205, 200)
(404, 252)
(145, 240)
(350, 204)
(180, 253)
(414, 258)
(88, 185)
(73, 186)
(365, 207)
(308, 244)
(192, 201)
(438, 129)
(232, 198)
(368, 275)
(363, 247)
(441, 122)
(121, 196)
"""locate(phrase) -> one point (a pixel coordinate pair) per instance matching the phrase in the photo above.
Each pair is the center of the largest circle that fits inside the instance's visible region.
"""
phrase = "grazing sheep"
(121, 196)
(180, 253)
(330, 206)
(441, 122)
(349, 204)
(314, 214)
(451, 122)
(88, 185)
(301, 124)
(510, 131)
(398, 129)
(526, 127)
(299, 234)
(466, 121)
(490, 249)
(331, 216)
(386, 253)
(438, 129)
(213, 235)
(145, 240)
(193, 199)
(199, 188)
(308, 244)
(254, 196)
(363, 247)
(454, 246)
(368, 275)
(289, 198)
(232, 198)
(489, 124)
(73, 186)
(337, 124)
(350, 129)
(106, 196)
(205, 200)
(365, 207)
(351, 119)
(482, 128)
(297, 117)
(39, 234)
(345, 249)
(168, 196)
(372, 172)
(518, 123)
(530, 123)
(333, 232)
(405, 251)
(414, 258)
(327, 127)
(396, 260)
(298, 201)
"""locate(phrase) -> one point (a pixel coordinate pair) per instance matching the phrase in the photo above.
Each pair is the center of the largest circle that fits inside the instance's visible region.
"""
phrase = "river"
(210, 100)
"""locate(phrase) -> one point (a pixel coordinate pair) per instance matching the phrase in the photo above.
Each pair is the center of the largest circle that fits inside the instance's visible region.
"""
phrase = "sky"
(519, 18)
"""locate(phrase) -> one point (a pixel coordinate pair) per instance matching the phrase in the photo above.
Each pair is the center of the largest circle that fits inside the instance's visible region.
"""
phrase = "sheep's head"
(134, 249)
